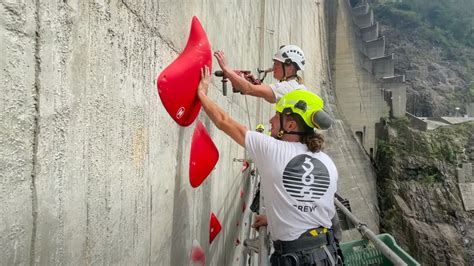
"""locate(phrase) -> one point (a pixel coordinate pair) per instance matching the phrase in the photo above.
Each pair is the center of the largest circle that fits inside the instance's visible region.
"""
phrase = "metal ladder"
(257, 246)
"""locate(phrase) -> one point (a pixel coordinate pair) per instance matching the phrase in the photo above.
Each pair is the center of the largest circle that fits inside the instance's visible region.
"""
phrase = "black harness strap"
(300, 244)
(307, 250)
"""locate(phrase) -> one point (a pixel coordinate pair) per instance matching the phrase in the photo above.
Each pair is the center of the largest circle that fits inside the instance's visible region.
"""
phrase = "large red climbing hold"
(204, 155)
(214, 227)
(178, 83)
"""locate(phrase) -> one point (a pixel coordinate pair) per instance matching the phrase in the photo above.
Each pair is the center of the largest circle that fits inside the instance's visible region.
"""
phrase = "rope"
(248, 113)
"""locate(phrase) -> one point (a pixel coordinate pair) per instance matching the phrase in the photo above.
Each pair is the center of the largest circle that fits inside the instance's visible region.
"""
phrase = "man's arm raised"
(219, 117)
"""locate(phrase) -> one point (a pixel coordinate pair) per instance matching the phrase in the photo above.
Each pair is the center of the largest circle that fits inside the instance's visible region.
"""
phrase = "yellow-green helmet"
(260, 127)
(307, 105)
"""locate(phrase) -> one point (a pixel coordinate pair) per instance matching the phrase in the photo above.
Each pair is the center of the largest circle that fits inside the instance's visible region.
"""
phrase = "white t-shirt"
(282, 88)
(298, 185)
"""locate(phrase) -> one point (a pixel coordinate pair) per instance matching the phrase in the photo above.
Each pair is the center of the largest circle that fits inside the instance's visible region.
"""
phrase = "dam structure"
(93, 169)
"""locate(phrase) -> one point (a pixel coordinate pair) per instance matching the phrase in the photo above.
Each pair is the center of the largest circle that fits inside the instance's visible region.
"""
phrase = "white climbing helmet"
(291, 53)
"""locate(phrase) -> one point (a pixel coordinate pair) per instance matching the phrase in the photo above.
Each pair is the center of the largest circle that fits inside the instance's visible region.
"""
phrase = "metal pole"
(368, 234)
(262, 235)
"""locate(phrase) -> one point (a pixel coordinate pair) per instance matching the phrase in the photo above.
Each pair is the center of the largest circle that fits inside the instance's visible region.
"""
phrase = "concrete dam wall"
(365, 84)
(92, 168)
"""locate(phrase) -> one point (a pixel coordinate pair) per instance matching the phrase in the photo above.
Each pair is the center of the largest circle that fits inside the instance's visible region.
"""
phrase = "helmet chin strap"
(285, 78)
(283, 131)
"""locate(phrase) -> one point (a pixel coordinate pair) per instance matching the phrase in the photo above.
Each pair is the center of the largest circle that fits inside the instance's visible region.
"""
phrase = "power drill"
(247, 74)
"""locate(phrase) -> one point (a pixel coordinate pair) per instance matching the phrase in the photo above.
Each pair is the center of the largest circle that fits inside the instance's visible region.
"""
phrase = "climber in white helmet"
(288, 61)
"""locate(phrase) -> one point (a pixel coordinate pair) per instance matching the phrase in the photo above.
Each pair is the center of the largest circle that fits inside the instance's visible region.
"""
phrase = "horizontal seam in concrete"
(153, 30)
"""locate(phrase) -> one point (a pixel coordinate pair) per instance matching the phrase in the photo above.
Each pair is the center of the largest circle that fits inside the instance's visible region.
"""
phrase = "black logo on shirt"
(305, 178)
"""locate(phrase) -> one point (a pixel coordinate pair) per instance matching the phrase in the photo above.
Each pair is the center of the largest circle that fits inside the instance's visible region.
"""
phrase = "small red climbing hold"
(245, 166)
(197, 254)
(214, 227)
(204, 156)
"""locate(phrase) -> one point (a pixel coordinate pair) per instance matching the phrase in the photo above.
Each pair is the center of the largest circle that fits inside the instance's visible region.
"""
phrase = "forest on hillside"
(452, 20)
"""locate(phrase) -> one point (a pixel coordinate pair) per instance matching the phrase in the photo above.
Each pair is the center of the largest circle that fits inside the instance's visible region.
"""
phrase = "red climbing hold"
(241, 193)
(244, 206)
(178, 83)
(245, 165)
(214, 228)
(204, 155)
(197, 254)
(237, 242)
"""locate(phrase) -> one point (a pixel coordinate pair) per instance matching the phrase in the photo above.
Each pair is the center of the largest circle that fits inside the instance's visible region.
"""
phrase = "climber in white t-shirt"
(287, 62)
(298, 180)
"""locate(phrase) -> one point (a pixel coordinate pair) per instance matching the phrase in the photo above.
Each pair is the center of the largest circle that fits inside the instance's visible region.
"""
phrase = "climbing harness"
(314, 247)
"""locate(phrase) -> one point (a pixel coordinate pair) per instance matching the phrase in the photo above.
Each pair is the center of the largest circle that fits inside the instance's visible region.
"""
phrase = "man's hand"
(260, 220)
(221, 60)
(205, 79)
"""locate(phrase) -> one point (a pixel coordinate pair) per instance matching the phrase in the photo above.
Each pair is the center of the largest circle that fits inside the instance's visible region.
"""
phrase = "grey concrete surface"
(366, 63)
(467, 195)
(358, 93)
(417, 122)
(466, 183)
(370, 33)
(360, 10)
(357, 177)
(18, 104)
(365, 20)
(455, 120)
(366, 86)
(383, 66)
(398, 98)
(464, 173)
(375, 48)
(94, 171)
(394, 79)
(470, 109)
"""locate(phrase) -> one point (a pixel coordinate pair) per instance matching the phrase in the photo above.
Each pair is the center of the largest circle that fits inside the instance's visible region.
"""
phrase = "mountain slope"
(419, 199)
(434, 44)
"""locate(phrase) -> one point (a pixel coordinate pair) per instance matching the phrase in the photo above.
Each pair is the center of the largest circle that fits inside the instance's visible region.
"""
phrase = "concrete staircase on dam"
(375, 60)
(366, 85)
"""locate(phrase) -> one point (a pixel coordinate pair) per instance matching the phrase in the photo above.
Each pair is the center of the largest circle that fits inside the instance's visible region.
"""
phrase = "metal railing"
(368, 234)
